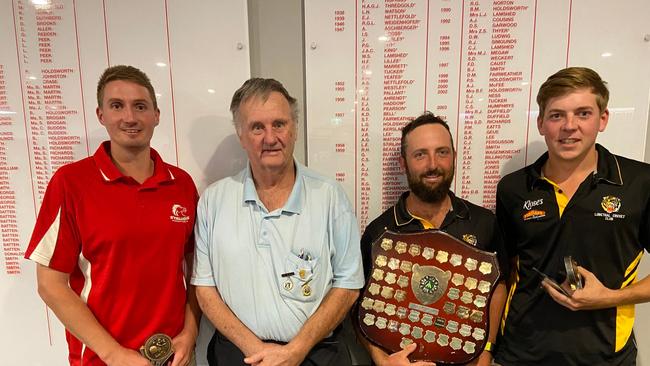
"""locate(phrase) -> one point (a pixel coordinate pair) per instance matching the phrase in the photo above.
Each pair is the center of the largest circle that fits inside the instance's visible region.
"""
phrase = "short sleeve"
(203, 274)
(55, 240)
(346, 263)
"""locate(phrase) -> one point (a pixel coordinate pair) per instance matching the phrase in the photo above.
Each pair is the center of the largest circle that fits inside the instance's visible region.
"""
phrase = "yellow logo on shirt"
(470, 239)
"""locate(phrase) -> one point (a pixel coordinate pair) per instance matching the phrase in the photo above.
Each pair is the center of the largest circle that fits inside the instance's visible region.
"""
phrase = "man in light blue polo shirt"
(278, 263)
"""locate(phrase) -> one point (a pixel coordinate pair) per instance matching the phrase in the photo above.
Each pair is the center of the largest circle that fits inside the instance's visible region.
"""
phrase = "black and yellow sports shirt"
(605, 227)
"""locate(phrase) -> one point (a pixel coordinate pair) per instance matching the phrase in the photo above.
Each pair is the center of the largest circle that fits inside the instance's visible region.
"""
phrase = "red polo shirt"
(123, 244)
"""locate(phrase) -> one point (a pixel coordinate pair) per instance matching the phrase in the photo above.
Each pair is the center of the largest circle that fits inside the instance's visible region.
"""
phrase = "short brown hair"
(571, 79)
(426, 118)
(262, 88)
(127, 73)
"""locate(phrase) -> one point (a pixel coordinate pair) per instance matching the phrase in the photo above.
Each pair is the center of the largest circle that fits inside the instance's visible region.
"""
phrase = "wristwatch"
(490, 347)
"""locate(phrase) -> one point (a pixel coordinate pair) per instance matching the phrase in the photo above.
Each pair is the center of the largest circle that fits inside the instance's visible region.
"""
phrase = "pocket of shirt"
(300, 285)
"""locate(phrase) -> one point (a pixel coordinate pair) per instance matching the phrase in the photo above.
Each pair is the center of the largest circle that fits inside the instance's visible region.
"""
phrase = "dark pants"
(329, 352)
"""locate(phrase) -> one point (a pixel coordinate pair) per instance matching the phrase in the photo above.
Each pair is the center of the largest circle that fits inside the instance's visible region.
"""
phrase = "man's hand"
(125, 357)
(272, 354)
(401, 358)
(183, 345)
(592, 296)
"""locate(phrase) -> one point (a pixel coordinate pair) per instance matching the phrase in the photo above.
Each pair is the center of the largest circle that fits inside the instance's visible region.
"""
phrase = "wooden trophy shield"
(431, 289)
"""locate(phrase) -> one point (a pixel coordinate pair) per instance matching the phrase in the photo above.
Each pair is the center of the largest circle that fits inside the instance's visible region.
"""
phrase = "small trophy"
(157, 349)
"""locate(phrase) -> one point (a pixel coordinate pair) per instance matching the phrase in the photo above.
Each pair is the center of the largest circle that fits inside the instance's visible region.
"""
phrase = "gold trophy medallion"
(157, 349)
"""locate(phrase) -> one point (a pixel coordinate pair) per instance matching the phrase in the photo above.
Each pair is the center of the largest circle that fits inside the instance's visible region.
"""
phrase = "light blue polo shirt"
(273, 269)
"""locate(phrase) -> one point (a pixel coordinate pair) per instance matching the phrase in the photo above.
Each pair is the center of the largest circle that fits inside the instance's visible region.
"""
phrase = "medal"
(157, 349)
(393, 325)
(288, 285)
(471, 283)
(404, 328)
(443, 339)
(390, 309)
(471, 264)
(463, 312)
(406, 266)
(400, 295)
(306, 290)
(484, 286)
(428, 253)
(455, 343)
(374, 289)
(378, 306)
(467, 297)
(381, 322)
(369, 319)
(456, 260)
(452, 326)
(414, 250)
(381, 260)
(457, 279)
(386, 244)
(465, 330)
(393, 263)
(405, 342)
(480, 301)
(367, 303)
(479, 334)
(429, 336)
(485, 268)
(469, 347)
(442, 256)
(403, 281)
(378, 274)
(476, 316)
(427, 319)
(387, 292)
(400, 247)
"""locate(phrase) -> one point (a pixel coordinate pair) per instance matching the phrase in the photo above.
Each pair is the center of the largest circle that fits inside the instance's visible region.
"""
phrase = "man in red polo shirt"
(113, 239)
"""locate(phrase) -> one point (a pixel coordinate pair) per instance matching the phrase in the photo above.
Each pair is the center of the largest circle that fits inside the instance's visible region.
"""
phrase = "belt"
(323, 342)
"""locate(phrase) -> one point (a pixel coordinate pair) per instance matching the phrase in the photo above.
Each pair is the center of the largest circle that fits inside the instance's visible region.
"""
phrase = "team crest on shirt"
(179, 214)
(611, 205)
(470, 239)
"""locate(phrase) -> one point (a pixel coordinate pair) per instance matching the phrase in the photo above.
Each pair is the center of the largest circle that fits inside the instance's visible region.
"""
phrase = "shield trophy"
(431, 289)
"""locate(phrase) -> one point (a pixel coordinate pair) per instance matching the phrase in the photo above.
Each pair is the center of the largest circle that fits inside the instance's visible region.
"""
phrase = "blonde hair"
(569, 80)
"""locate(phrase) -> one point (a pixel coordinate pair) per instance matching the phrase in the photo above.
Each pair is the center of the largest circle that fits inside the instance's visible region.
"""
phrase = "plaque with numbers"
(431, 289)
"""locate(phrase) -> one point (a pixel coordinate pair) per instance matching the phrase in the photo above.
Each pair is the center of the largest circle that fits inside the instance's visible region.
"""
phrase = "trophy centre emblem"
(429, 284)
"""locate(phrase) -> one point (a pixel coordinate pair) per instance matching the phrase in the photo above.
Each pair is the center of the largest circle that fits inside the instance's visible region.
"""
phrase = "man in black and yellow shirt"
(578, 200)
(428, 156)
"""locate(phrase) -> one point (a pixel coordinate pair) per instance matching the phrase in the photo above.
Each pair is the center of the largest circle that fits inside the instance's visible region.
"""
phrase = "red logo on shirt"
(179, 214)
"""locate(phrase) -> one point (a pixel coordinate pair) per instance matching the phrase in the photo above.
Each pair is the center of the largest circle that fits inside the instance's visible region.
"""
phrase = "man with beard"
(427, 157)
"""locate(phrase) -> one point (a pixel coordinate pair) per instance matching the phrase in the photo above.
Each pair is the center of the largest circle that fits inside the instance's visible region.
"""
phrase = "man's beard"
(427, 192)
